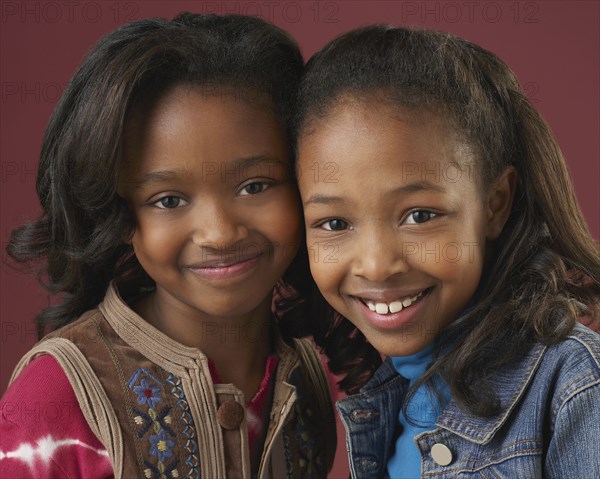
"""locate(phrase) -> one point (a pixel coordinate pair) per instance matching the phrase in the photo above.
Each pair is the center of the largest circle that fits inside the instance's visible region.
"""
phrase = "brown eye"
(254, 188)
(169, 202)
(419, 216)
(335, 225)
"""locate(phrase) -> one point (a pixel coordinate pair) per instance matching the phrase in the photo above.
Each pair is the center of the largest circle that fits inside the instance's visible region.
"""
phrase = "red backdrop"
(553, 46)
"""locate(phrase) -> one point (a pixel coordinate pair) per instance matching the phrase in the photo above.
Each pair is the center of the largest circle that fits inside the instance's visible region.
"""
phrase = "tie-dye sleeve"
(43, 433)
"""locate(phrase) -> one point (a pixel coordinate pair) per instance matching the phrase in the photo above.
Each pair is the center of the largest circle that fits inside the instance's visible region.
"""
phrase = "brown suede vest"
(152, 403)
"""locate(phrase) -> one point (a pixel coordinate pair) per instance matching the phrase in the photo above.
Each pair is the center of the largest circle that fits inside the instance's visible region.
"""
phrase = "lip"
(225, 268)
(391, 320)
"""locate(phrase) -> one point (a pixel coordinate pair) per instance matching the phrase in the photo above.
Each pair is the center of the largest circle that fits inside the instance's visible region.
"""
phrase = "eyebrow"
(418, 186)
(258, 160)
(318, 199)
(158, 177)
(323, 200)
(163, 176)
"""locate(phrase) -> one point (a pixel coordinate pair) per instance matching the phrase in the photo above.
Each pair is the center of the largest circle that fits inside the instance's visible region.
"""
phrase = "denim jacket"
(548, 427)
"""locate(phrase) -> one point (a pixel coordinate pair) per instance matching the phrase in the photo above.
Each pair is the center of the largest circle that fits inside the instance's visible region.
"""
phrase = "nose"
(378, 254)
(217, 226)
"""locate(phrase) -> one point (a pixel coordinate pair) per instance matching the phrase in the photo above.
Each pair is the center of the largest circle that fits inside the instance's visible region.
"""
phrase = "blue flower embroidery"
(147, 394)
(161, 445)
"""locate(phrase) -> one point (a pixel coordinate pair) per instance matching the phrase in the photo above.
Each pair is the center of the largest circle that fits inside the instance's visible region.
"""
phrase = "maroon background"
(553, 46)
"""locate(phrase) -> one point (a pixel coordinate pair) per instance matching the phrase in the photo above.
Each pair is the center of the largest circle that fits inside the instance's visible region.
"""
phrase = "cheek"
(317, 271)
(328, 265)
(325, 274)
(155, 243)
(282, 221)
(456, 255)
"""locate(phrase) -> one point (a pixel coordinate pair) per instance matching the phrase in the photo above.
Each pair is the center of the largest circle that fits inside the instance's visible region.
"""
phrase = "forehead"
(366, 138)
(191, 125)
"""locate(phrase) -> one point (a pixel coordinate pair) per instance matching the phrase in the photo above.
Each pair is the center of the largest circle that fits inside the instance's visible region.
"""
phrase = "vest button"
(230, 415)
(441, 454)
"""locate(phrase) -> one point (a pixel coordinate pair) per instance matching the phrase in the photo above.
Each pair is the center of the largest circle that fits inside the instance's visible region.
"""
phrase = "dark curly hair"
(544, 273)
(81, 235)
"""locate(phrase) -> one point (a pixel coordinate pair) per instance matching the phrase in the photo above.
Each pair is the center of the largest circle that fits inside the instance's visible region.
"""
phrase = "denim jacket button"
(441, 454)
(368, 464)
(361, 415)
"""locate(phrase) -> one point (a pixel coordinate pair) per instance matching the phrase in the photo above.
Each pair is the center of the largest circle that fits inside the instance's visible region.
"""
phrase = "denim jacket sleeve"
(573, 450)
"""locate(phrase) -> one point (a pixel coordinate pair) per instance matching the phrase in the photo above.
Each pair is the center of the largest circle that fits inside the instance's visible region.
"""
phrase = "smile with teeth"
(393, 307)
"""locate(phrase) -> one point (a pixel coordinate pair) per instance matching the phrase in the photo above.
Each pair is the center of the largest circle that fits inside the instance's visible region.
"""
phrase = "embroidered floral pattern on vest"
(156, 421)
(302, 455)
(188, 431)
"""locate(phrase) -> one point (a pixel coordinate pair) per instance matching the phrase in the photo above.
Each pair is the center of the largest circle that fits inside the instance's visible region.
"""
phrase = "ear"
(128, 238)
(499, 202)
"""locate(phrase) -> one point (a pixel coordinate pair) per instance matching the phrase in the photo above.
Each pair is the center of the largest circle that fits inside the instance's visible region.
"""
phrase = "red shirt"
(43, 433)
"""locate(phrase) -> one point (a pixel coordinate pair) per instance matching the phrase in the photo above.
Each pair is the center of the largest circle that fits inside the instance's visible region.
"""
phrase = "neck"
(238, 345)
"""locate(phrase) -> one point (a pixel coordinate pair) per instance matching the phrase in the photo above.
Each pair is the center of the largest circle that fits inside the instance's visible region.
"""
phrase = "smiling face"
(217, 217)
(396, 222)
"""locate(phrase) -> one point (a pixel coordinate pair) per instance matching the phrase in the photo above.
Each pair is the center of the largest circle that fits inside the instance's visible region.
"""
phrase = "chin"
(397, 346)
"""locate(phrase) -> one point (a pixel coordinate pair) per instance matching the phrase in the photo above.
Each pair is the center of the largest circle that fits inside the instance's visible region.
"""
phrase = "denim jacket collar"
(382, 375)
(508, 386)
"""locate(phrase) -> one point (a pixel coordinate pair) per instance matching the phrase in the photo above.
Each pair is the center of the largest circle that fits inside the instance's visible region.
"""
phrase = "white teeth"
(381, 308)
(393, 307)
(396, 306)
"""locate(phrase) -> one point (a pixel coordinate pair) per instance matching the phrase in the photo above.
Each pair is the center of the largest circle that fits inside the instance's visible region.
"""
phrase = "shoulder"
(562, 373)
(86, 326)
(574, 407)
(41, 399)
(43, 430)
(42, 380)
(577, 355)
(67, 339)
(584, 338)
(571, 368)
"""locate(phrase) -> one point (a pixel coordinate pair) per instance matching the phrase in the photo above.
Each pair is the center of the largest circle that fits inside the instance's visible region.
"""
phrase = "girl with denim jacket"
(444, 232)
